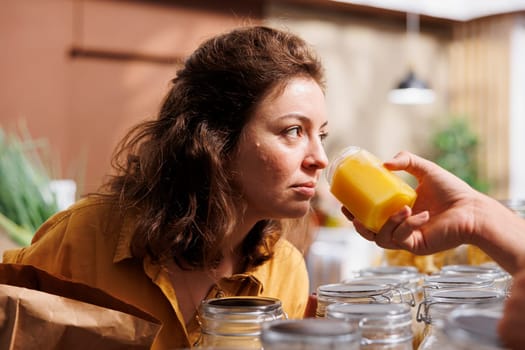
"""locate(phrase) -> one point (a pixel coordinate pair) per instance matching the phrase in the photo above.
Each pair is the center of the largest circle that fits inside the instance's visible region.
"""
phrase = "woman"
(196, 207)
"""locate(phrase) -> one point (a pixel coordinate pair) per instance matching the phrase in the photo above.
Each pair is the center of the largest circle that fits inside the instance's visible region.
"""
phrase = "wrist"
(500, 233)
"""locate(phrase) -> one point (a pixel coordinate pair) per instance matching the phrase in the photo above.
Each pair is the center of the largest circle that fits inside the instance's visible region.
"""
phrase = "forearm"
(500, 233)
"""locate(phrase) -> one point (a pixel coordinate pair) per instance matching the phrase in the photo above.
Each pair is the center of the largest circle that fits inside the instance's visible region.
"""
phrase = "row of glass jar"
(456, 287)
(393, 308)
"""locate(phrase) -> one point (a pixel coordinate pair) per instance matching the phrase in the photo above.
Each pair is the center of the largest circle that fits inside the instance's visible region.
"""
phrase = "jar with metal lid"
(400, 286)
(310, 334)
(434, 310)
(356, 292)
(438, 282)
(502, 280)
(409, 276)
(382, 326)
(469, 328)
(235, 322)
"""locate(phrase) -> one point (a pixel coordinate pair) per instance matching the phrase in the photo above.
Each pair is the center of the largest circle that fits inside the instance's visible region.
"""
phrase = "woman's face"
(280, 155)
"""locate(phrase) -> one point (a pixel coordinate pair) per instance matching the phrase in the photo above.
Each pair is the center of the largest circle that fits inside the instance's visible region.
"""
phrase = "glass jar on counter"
(502, 280)
(310, 334)
(235, 322)
(407, 280)
(434, 310)
(469, 328)
(357, 292)
(382, 326)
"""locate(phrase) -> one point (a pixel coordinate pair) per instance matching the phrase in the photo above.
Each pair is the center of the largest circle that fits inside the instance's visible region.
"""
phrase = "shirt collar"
(123, 247)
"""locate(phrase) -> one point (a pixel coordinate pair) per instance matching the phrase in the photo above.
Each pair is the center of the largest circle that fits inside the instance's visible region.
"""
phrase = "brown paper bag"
(40, 311)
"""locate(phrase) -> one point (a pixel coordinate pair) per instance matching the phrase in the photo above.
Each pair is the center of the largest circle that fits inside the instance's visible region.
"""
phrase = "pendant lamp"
(412, 90)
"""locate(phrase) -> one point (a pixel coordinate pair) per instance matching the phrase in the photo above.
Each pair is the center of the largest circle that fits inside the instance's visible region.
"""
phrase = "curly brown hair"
(174, 170)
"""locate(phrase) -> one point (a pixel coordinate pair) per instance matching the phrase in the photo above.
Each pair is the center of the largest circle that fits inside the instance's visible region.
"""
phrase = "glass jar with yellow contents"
(366, 188)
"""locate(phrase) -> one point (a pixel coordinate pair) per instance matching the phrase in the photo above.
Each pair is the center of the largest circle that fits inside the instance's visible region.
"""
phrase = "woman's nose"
(317, 157)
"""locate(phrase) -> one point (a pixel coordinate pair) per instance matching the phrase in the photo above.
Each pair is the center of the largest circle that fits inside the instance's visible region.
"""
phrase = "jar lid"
(384, 280)
(405, 273)
(474, 326)
(466, 295)
(389, 270)
(309, 331)
(353, 311)
(457, 281)
(472, 269)
(353, 289)
(240, 305)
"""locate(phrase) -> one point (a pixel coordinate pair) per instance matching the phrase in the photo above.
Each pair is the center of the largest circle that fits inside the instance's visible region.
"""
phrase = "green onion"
(26, 200)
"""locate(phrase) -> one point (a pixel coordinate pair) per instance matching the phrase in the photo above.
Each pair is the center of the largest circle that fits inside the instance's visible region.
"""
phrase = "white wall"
(517, 112)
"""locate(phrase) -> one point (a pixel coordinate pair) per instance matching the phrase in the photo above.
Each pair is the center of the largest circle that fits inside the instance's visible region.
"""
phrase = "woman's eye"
(294, 131)
(323, 136)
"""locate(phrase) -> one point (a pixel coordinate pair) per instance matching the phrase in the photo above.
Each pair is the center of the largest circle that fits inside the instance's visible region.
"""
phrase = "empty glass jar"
(469, 328)
(235, 322)
(434, 310)
(382, 326)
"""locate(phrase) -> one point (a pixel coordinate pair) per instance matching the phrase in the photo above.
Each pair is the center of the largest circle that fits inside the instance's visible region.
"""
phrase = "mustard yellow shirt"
(90, 243)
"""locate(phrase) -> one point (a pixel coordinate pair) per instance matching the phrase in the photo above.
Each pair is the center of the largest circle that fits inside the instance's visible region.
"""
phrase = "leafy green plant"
(455, 148)
(26, 200)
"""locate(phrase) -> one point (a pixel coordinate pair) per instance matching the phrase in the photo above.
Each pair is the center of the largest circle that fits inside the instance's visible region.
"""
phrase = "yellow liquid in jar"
(368, 190)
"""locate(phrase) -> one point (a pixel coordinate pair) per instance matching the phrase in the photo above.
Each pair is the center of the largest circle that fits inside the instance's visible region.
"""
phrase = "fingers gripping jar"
(435, 309)
(235, 322)
(382, 326)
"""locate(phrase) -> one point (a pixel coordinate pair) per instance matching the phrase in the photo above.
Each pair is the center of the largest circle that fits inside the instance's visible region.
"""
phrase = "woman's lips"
(306, 189)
